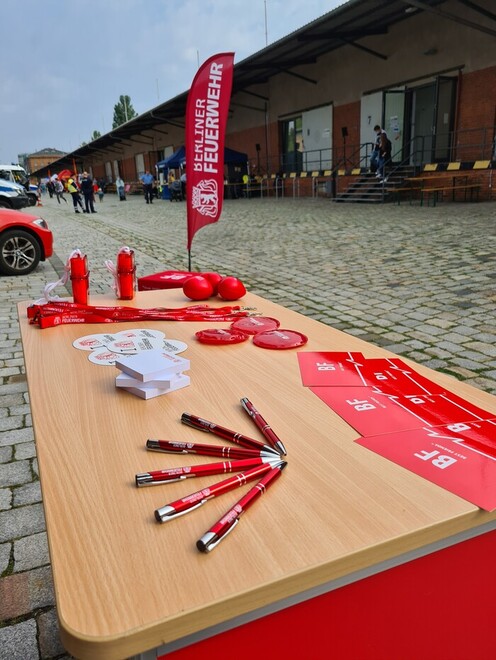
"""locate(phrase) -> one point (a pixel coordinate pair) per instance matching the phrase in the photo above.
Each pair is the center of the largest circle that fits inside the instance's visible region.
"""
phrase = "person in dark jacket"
(88, 193)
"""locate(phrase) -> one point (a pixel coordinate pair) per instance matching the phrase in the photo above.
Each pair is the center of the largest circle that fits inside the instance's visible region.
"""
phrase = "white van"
(17, 174)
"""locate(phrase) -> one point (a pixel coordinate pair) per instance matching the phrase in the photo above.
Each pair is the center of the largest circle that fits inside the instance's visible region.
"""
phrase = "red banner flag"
(206, 118)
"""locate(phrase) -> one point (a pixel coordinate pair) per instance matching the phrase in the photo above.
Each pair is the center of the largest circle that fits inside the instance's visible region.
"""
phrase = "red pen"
(226, 434)
(177, 474)
(193, 501)
(263, 426)
(173, 447)
(229, 520)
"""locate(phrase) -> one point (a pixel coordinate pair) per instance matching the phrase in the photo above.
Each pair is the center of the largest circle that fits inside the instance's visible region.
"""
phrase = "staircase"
(367, 189)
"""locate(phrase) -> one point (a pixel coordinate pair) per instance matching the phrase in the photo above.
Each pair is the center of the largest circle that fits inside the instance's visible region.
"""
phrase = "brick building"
(423, 69)
(41, 159)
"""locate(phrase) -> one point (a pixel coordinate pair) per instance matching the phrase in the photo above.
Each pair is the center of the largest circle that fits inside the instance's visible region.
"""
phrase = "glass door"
(394, 110)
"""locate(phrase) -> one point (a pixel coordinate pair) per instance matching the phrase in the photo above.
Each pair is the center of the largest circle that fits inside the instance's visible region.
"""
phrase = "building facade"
(424, 70)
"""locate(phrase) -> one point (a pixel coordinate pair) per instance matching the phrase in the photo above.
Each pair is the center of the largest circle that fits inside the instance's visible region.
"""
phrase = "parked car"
(12, 195)
(25, 240)
(17, 174)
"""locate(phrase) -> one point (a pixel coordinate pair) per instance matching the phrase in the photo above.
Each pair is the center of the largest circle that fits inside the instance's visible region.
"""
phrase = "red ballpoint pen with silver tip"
(168, 475)
(195, 500)
(263, 426)
(230, 519)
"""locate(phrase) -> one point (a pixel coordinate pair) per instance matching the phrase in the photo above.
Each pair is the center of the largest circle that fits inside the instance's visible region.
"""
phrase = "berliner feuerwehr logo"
(205, 198)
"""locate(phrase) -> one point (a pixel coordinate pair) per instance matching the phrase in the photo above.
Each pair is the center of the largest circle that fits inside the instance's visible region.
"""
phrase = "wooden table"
(339, 513)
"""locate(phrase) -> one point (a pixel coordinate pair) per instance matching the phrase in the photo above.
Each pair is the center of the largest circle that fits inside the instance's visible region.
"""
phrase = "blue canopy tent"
(178, 158)
(235, 160)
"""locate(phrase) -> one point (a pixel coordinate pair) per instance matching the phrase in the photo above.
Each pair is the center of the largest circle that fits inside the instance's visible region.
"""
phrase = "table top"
(125, 583)
(439, 175)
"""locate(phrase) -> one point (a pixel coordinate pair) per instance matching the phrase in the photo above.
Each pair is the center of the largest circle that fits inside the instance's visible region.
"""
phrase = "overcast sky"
(64, 64)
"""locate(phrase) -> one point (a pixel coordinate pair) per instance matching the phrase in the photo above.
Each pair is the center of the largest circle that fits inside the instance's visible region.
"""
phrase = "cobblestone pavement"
(417, 281)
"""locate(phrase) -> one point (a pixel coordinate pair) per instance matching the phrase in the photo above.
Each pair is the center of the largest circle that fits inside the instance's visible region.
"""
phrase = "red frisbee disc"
(252, 325)
(219, 336)
(280, 339)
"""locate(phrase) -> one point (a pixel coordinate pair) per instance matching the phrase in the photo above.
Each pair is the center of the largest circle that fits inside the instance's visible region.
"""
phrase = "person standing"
(119, 184)
(73, 190)
(147, 180)
(59, 190)
(381, 153)
(88, 194)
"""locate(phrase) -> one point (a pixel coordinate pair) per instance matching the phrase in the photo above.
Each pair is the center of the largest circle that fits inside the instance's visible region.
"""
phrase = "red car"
(25, 240)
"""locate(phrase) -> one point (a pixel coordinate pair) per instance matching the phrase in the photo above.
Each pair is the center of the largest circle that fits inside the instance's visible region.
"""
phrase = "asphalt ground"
(417, 281)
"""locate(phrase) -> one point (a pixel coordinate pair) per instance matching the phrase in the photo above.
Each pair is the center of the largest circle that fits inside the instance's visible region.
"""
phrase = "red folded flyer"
(330, 368)
(459, 457)
(372, 412)
(393, 376)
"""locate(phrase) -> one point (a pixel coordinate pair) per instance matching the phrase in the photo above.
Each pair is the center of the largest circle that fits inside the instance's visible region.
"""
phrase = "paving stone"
(25, 450)
(17, 472)
(9, 423)
(22, 521)
(18, 642)
(16, 436)
(31, 552)
(5, 549)
(27, 494)
(23, 592)
(5, 499)
(48, 634)
(5, 454)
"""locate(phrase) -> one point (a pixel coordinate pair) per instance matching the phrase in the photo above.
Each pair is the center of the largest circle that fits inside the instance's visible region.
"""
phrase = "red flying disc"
(219, 336)
(280, 339)
(252, 325)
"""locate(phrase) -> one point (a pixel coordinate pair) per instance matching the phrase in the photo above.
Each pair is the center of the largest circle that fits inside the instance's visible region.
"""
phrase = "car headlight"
(41, 223)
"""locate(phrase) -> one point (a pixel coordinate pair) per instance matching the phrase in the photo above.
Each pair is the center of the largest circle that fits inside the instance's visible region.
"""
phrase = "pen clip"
(243, 402)
(154, 445)
(210, 540)
(147, 480)
(166, 513)
(189, 422)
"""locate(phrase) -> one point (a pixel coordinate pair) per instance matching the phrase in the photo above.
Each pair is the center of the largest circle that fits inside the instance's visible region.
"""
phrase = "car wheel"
(4, 204)
(32, 200)
(20, 252)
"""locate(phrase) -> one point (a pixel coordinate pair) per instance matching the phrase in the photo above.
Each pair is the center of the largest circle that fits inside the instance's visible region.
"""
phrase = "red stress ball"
(198, 288)
(230, 288)
(214, 279)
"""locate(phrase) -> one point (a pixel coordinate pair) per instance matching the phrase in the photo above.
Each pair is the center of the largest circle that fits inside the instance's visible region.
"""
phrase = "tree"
(123, 111)
(95, 135)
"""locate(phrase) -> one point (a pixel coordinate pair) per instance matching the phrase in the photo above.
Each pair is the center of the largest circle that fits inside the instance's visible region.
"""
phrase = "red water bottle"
(80, 278)
(126, 274)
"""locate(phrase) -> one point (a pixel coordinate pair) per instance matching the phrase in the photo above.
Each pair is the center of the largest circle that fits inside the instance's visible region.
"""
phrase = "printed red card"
(330, 368)
(393, 376)
(459, 457)
(372, 412)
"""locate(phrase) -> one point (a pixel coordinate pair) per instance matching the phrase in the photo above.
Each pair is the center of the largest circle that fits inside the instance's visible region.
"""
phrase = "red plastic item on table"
(230, 288)
(168, 279)
(126, 274)
(214, 279)
(198, 288)
(280, 339)
(219, 336)
(79, 279)
(252, 325)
